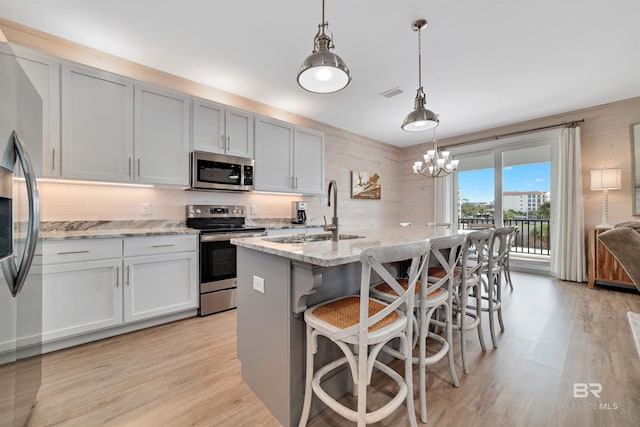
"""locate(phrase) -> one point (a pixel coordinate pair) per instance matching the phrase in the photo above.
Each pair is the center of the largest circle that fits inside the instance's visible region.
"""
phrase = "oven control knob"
(242, 211)
(235, 211)
(198, 211)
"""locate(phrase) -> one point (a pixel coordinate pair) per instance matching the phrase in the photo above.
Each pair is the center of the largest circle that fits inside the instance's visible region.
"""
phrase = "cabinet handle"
(73, 252)
(129, 166)
(53, 159)
(222, 138)
(163, 246)
(138, 166)
(228, 142)
(291, 182)
(117, 276)
(296, 186)
(128, 275)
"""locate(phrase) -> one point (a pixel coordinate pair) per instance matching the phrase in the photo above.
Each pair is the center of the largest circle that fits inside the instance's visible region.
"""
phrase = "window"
(508, 182)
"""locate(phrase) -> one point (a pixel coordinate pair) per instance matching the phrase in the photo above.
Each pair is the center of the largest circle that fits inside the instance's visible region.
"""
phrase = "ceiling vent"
(392, 92)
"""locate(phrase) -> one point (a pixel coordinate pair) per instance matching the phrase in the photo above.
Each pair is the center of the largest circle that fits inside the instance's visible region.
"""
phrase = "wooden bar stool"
(445, 253)
(367, 325)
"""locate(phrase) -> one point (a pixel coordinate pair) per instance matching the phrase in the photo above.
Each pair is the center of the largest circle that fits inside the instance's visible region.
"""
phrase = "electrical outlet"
(146, 209)
(258, 284)
(253, 209)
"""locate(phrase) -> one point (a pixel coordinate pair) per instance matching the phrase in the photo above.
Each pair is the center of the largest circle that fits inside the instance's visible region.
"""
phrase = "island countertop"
(327, 253)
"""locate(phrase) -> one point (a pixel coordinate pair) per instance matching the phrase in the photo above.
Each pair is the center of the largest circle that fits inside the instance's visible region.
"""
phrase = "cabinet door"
(81, 297)
(97, 125)
(44, 74)
(274, 155)
(160, 284)
(208, 127)
(308, 161)
(161, 136)
(239, 133)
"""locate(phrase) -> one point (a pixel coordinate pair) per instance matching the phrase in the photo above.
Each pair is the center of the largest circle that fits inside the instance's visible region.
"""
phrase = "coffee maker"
(299, 212)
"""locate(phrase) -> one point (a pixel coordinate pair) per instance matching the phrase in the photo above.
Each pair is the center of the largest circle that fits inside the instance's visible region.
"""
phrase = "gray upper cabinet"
(97, 125)
(220, 129)
(44, 74)
(308, 161)
(100, 111)
(288, 158)
(161, 141)
(274, 155)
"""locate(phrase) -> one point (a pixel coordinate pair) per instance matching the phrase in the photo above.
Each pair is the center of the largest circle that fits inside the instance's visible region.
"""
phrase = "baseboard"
(118, 330)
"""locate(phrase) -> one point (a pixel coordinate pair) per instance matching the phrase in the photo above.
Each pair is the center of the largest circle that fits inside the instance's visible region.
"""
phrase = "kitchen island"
(278, 278)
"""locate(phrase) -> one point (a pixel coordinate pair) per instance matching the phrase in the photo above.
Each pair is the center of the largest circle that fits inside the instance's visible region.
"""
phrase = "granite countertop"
(63, 230)
(102, 229)
(328, 253)
(279, 223)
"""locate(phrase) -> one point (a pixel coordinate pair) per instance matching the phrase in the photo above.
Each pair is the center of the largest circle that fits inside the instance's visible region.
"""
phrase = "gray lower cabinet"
(162, 279)
(93, 288)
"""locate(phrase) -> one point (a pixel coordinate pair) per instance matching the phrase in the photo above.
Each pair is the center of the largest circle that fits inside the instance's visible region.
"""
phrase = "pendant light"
(323, 71)
(420, 118)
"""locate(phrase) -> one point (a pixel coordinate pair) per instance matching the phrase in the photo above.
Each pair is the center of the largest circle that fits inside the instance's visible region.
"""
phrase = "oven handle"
(218, 237)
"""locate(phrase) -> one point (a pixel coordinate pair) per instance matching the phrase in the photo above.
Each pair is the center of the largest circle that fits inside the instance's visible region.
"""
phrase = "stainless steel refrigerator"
(20, 286)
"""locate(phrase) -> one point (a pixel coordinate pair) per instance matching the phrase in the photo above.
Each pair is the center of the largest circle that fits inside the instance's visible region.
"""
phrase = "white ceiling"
(485, 63)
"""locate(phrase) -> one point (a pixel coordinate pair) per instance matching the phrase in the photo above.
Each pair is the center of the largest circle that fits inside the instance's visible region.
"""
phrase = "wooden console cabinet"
(603, 267)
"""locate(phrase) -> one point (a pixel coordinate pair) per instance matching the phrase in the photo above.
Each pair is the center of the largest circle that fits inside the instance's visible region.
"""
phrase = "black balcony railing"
(533, 234)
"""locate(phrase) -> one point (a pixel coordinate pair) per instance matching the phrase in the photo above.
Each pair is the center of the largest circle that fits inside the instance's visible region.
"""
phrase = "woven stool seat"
(345, 312)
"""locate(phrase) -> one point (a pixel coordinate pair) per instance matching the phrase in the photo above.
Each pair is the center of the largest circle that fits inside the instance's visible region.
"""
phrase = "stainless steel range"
(218, 224)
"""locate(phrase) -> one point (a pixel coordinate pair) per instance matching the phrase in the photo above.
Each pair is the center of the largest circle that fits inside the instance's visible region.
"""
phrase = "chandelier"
(436, 163)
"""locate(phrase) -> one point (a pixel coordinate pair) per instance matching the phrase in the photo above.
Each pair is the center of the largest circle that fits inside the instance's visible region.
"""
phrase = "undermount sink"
(305, 238)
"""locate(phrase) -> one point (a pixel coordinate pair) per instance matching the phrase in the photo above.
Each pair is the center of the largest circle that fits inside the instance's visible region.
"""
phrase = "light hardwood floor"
(186, 373)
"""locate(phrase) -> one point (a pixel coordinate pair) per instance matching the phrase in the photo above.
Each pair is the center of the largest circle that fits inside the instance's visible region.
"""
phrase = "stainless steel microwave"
(210, 171)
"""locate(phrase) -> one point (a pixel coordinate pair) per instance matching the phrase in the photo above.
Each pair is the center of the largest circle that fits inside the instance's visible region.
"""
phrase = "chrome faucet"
(333, 227)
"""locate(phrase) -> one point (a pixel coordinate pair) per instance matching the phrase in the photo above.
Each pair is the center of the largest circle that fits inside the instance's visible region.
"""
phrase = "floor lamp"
(605, 180)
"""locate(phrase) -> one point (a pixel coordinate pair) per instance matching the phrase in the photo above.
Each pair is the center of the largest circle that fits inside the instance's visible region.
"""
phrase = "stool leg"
(499, 299)
(422, 355)
(479, 314)
(491, 310)
(362, 384)
(306, 407)
(408, 378)
(452, 366)
(463, 332)
(354, 389)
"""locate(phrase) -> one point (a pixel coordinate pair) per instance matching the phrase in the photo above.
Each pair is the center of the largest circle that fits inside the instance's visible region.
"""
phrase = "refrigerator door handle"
(16, 276)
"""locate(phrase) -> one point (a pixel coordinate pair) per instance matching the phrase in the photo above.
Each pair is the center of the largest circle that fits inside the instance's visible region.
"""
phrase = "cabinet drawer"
(160, 244)
(54, 252)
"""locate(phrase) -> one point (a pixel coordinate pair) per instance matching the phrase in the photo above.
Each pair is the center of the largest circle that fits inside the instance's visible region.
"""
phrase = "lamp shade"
(420, 119)
(323, 72)
(606, 179)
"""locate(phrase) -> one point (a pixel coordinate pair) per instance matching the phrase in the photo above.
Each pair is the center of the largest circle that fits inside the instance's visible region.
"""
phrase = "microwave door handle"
(14, 276)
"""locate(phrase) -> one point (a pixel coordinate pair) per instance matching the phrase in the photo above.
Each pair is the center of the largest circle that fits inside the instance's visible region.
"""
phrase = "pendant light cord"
(419, 56)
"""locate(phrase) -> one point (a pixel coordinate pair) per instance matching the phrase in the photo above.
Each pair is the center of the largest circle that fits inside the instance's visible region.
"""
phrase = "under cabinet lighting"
(109, 184)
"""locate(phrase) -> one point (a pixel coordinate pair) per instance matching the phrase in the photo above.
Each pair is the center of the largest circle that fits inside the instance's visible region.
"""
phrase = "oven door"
(217, 265)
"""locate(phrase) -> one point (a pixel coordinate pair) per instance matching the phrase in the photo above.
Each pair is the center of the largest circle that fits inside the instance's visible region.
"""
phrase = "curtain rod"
(570, 124)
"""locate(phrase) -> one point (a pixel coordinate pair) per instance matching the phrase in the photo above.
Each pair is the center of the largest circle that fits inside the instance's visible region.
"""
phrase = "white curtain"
(567, 214)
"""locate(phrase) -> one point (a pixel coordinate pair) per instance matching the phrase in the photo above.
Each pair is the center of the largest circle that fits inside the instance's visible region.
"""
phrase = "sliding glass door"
(507, 183)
